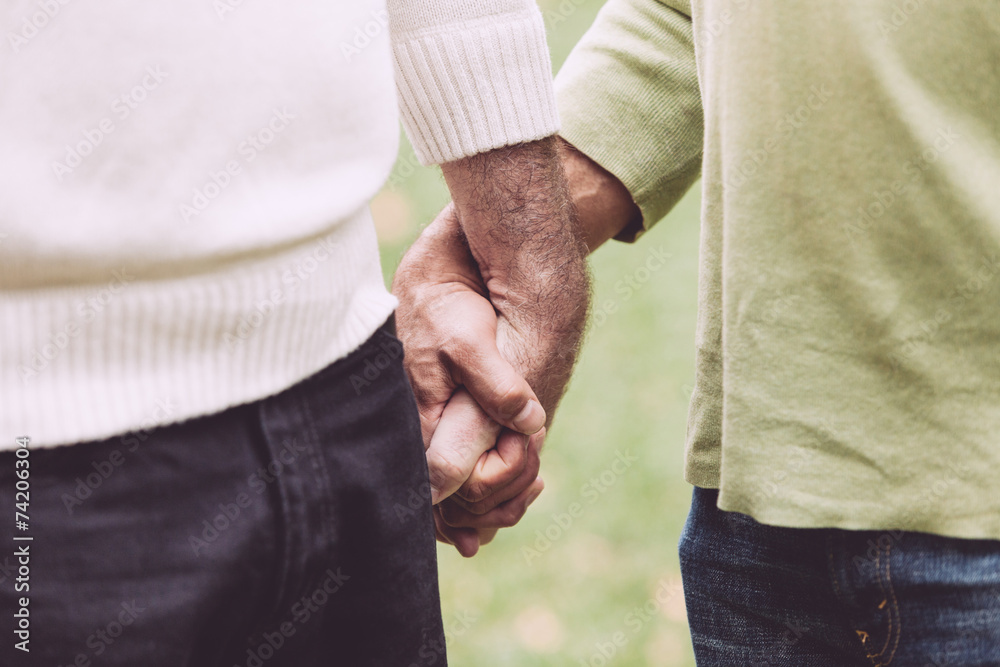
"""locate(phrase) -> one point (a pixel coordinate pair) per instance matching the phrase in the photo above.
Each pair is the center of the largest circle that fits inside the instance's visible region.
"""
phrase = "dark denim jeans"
(764, 595)
(291, 532)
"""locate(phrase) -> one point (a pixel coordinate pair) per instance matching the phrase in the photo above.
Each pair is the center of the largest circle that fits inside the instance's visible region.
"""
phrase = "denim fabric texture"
(762, 595)
(291, 532)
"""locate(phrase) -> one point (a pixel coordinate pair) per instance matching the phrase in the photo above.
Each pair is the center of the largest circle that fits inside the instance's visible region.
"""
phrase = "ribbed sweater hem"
(85, 363)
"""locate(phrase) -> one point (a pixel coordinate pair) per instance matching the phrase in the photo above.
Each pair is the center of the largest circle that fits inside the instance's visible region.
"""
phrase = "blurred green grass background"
(556, 589)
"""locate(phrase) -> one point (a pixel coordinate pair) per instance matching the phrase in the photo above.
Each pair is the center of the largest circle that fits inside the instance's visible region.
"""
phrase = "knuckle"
(532, 466)
(444, 469)
(450, 514)
(478, 508)
(510, 398)
(426, 375)
(509, 516)
(477, 490)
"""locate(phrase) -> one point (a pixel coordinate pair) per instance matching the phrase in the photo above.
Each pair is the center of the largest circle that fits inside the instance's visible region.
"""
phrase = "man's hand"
(455, 337)
(449, 330)
(522, 233)
(452, 336)
(504, 265)
(467, 530)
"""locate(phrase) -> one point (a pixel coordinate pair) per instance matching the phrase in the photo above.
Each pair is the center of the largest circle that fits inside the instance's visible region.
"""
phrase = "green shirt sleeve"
(629, 99)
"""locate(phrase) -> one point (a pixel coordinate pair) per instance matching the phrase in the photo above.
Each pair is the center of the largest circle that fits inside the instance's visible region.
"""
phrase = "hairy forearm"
(529, 214)
(603, 205)
(515, 212)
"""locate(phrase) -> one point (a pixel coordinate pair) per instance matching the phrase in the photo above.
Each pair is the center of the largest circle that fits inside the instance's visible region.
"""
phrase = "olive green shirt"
(848, 339)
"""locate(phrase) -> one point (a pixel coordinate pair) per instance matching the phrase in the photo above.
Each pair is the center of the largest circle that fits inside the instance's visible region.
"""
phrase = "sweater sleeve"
(472, 75)
(629, 99)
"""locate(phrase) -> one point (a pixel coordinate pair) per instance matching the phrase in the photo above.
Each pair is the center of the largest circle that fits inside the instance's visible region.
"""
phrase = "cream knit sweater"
(184, 188)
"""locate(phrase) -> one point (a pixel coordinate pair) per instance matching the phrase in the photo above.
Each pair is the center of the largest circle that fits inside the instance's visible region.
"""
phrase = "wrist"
(604, 205)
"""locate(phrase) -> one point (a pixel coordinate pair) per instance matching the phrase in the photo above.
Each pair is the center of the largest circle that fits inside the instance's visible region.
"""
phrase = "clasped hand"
(467, 357)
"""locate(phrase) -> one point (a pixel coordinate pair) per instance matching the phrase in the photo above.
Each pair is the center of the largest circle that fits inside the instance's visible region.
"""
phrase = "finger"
(497, 468)
(462, 435)
(432, 388)
(486, 535)
(441, 529)
(504, 515)
(480, 494)
(493, 382)
(465, 540)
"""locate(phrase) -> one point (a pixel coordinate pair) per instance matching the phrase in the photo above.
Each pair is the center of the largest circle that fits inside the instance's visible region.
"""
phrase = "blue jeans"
(765, 595)
(291, 532)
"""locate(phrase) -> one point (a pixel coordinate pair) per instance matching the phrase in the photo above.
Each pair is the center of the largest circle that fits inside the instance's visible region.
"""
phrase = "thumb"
(462, 435)
(501, 391)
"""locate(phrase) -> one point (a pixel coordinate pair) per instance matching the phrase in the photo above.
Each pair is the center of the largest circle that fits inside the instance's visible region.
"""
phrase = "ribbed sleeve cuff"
(469, 87)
